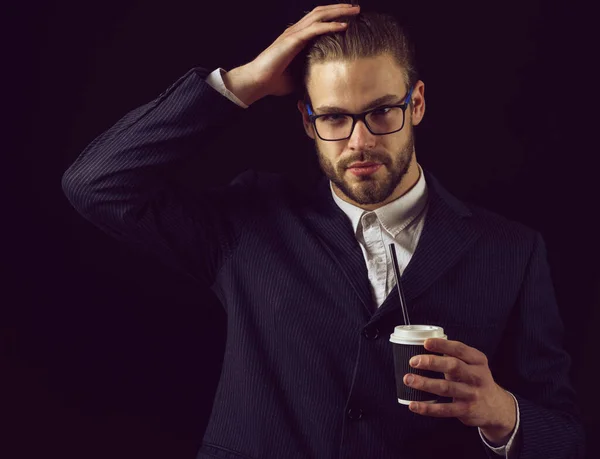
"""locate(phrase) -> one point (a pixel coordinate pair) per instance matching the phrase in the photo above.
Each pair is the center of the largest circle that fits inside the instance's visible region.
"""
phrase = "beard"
(374, 188)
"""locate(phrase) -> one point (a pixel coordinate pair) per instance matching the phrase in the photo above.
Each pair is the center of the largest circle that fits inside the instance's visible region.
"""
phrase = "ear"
(418, 99)
(308, 126)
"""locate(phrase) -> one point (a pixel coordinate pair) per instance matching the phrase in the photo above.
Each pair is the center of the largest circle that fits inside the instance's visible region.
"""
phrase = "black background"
(105, 353)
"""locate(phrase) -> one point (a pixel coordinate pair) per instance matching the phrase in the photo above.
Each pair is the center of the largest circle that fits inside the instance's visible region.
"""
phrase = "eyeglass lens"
(381, 121)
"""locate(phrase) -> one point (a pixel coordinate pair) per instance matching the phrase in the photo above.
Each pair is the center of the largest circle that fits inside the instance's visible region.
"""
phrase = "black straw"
(399, 284)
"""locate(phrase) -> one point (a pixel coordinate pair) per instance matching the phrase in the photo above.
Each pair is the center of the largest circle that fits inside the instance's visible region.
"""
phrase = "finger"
(331, 14)
(327, 11)
(333, 6)
(440, 410)
(315, 29)
(442, 387)
(456, 369)
(324, 14)
(456, 349)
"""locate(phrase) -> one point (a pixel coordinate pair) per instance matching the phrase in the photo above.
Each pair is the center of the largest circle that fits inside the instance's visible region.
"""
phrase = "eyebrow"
(388, 98)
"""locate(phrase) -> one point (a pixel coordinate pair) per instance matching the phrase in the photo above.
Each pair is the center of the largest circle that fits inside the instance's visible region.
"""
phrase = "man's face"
(352, 86)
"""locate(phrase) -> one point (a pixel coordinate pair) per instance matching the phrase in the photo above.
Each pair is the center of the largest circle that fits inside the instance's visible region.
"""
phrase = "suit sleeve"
(124, 180)
(533, 365)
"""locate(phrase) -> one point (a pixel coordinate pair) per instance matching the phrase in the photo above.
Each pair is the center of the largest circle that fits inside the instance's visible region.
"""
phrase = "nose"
(361, 136)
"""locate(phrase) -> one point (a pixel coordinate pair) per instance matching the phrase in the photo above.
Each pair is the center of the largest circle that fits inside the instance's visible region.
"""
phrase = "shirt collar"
(394, 216)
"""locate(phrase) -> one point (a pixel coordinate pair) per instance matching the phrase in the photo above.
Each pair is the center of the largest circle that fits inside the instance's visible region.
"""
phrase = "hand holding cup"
(477, 400)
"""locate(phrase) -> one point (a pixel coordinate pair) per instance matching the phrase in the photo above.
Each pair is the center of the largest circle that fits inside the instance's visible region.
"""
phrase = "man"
(305, 278)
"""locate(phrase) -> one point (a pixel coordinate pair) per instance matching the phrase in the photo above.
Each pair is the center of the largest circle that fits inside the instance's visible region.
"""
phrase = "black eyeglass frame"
(360, 116)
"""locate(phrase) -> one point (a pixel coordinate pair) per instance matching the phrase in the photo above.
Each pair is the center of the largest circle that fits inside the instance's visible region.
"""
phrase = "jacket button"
(371, 333)
(355, 413)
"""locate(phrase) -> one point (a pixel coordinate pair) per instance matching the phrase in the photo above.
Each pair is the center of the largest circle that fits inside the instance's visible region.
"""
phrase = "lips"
(363, 164)
(364, 171)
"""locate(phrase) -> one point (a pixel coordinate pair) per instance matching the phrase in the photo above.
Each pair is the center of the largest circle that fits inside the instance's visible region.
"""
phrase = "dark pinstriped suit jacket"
(305, 343)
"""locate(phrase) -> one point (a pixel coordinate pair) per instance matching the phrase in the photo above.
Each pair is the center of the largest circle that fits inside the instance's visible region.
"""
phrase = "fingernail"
(410, 379)
(415, 361)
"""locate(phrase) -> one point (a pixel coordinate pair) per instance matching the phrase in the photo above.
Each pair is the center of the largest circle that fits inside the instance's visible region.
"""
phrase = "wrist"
(240, 82)
(497, 436)
(500, 432)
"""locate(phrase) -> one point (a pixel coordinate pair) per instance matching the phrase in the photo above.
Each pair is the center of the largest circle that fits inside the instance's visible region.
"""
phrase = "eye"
(381, 111)
(332, 118)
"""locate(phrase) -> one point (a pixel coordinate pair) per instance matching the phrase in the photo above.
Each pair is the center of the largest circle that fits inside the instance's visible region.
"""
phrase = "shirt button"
(371, 333)
(355, 413)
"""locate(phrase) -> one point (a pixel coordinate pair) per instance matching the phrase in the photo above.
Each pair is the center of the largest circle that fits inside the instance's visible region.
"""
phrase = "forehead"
(352, 84)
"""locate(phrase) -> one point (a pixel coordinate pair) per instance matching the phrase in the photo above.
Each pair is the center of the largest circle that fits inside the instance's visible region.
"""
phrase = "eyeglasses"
(382, 120)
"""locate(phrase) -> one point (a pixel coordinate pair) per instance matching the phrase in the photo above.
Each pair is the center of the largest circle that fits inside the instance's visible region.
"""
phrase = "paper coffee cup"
(408, 341)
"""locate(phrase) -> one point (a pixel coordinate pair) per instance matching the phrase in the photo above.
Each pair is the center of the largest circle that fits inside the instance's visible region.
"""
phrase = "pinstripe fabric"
(307, 371)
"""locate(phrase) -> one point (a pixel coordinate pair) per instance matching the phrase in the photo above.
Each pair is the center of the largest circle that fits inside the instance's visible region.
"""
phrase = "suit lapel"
(333, 228)
(447, 233)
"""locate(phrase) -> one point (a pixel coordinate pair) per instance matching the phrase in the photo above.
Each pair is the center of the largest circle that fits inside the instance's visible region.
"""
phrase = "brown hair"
(369, 34)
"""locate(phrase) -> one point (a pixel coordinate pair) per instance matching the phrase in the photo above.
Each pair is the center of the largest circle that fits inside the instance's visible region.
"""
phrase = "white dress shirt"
(399, 222)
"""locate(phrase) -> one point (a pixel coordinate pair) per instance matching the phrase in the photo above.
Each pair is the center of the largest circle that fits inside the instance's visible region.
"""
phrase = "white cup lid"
(416, 334)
